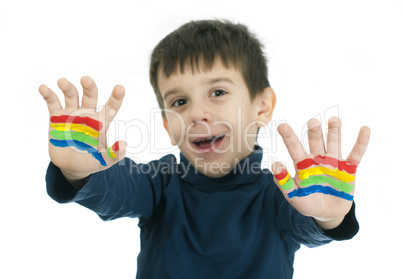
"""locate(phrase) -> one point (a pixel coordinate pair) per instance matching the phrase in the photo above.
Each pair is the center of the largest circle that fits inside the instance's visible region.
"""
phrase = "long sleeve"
(193, 226)
(297, 228)
(126, 189)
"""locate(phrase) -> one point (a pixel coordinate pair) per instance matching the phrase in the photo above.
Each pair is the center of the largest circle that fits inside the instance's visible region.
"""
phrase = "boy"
(214, 214)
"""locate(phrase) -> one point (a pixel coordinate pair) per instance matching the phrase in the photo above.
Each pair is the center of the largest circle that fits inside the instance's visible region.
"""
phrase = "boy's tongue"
(206, 143)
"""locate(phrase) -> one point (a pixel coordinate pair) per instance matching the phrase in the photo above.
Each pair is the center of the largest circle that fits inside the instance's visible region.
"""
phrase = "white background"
(325, 58)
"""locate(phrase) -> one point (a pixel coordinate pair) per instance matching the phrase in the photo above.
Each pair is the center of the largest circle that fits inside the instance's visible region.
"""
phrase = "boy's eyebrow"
(219, 79)
(170, 92)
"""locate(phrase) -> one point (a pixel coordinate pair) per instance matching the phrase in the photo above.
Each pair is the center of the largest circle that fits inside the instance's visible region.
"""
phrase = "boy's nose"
(200, 113)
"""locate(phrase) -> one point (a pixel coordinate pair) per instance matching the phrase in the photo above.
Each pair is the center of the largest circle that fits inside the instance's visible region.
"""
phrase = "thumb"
(114, 153)
(282, 178)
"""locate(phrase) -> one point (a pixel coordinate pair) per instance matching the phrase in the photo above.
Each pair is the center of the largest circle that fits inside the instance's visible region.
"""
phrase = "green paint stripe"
(68, 135)
(108, 153)
(343, 186)
(288, 185)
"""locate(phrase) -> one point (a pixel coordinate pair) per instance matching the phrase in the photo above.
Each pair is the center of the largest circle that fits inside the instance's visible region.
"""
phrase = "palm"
(323, 185)
(73, 159)
(323, 205)
(80, 126)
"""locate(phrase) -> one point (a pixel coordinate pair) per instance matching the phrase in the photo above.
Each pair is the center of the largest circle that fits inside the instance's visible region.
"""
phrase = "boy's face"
(211, 118)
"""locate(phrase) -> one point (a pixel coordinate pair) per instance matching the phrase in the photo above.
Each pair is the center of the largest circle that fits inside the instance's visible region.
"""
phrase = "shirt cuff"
(57, 186)
(347, 229)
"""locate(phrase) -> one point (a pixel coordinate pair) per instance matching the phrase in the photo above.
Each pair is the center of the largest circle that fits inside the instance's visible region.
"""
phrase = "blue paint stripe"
(81, 146)
(302, 192)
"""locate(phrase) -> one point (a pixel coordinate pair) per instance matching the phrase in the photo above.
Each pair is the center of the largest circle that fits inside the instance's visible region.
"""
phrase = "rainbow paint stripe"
(81, 146)
(111, 150)
(76, 131)
(78, 136)
(306, 173)
(314, 177)
(284, 181)
(324, 160)
(77, 120)
(75, 127)
(321, 179)
(302, 192)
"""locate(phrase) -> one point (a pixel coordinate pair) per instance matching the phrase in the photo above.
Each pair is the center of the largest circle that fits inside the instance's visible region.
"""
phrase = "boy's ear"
(166, 126)
(267, 102)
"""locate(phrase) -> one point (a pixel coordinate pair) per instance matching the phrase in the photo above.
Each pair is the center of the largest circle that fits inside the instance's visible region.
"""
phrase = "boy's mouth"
(206, 144)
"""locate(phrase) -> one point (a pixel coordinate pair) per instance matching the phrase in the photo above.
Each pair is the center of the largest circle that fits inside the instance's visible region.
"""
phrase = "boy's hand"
(323, 186)
(77, 134)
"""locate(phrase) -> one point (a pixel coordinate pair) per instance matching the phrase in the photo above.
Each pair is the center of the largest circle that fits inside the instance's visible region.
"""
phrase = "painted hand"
(77, 134)
(324, 184)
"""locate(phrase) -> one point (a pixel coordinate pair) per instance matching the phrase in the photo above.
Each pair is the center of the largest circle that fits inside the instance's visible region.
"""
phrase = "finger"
(360, 146)
(90, 97)
(114, 153)
(295, 148)
(334, 137)
(52, 101)
(315, 137)
(113, 105)
(70, 93)
(283, 179)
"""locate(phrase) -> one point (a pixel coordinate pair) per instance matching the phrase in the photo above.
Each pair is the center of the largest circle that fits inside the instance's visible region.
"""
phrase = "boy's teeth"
(209, 138)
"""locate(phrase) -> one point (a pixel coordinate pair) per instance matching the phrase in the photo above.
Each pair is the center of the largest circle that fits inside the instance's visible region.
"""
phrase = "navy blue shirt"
(193, 226)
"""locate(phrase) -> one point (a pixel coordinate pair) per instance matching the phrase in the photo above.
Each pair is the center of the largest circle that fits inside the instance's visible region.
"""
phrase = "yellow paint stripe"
(112, 153)
(283, 181)
(343, 176)
(75, 127)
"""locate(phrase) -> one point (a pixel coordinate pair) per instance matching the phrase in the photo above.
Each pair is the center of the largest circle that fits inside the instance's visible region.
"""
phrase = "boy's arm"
(323, 186)
(328, 223)
(298, 229)
(77, 133)
(83, 169)
(76, 182)
(347, 229)
(123, 190)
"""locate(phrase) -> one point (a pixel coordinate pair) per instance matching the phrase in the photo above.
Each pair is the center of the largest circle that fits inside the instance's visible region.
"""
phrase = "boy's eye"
(179, 103)
(217, 93)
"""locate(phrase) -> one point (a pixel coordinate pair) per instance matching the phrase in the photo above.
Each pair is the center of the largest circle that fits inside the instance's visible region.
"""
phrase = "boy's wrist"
(328, 223)
(347, 229)
(76, 180)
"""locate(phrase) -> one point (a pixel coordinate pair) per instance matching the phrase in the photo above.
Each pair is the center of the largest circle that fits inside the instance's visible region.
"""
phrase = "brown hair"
(199, 43)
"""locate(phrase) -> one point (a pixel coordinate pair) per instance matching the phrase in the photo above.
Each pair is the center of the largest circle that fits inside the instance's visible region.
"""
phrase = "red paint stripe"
(317, 160)
(281, 175)
(115, 146)
(77, 120)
